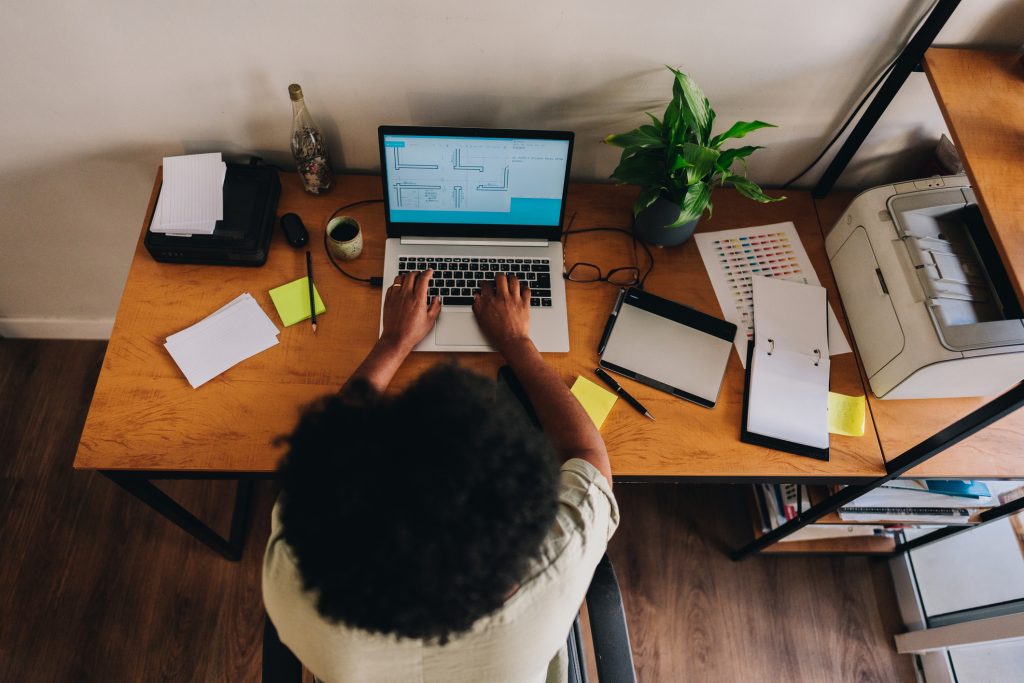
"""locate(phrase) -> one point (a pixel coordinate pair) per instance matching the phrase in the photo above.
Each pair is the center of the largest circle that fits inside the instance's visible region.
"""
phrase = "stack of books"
(778, 503)
(885, 511)
(920, 501)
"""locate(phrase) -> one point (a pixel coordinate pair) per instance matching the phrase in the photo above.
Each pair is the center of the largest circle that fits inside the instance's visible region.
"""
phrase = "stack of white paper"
(192, 196)
(223, 339)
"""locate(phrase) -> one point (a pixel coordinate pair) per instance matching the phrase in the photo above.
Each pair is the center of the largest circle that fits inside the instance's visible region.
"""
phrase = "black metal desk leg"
(230, 548)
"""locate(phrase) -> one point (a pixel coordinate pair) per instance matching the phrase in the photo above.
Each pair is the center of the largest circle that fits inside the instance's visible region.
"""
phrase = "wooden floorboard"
(695, 615)
(94, 586)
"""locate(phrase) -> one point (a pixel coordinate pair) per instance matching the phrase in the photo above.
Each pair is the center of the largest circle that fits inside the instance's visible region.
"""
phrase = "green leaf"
(646, 198)
(671, 117)
(697, 198)
(750, 190)
(730, 155)
(657, 123)
(700, 160)
(740, 129)
(645, 168)
(695, 108)
(680, 162)
(636, 138)
(652, 132)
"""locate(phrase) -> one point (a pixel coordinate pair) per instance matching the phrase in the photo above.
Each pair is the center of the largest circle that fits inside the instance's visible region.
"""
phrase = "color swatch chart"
(731, 257)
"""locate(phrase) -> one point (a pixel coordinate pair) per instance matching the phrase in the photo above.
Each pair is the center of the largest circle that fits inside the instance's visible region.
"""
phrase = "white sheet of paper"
(791, 313)
(245, 301)
(236, 331)
(192, 198)
(732, 256)
(789, 397)
(184, 229)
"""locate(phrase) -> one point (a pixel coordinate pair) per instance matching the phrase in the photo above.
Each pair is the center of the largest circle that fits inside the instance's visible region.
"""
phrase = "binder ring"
(772, 347)
(817, 352)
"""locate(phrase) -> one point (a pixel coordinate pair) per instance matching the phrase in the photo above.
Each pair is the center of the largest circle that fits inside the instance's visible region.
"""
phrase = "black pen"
(309, 277)
(611, 322)
(607, 379)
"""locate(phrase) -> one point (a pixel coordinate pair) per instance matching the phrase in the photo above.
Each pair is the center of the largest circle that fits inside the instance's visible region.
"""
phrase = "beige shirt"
(518, 643)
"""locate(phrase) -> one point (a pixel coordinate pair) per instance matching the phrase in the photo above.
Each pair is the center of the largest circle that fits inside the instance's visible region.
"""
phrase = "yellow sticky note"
(292, 301)
(846, 414)
(596, 401)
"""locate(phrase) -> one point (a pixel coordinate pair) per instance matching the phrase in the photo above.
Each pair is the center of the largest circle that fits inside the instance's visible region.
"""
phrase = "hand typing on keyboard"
(503, 311)
(457, 279)
(406, 320)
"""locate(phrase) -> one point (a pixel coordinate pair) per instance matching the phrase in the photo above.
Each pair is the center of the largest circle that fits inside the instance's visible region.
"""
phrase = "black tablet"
(668, 346)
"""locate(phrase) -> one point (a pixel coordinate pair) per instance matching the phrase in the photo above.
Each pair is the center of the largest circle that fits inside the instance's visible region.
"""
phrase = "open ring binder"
(785, 402)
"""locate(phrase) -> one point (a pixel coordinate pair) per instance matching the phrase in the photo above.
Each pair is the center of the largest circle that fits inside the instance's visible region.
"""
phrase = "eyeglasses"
(626, 276)
(582, 271)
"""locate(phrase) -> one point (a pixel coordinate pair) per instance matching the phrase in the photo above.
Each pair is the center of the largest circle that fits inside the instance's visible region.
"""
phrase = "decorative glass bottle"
(308, 147)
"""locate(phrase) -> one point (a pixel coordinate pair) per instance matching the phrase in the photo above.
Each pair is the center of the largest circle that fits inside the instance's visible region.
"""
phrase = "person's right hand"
(503, 311)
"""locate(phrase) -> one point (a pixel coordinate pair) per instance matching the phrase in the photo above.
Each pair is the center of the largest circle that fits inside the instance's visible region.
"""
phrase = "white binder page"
(788, 396)
(789, 373)
(790, 313)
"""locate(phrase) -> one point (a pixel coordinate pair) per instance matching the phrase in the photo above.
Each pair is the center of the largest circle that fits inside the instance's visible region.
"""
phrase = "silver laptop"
(471, 203)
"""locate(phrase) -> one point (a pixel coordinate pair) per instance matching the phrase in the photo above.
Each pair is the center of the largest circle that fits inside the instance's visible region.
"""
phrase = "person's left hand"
(407, 318)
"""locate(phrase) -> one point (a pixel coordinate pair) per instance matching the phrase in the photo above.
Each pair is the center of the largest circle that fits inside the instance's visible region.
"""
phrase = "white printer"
(928, 300)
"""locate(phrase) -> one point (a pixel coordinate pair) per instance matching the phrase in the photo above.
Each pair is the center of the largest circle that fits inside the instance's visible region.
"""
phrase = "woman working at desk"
(430, 536)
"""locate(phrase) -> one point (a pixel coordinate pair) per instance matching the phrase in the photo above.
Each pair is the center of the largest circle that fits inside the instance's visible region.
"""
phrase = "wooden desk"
(145, 417)
(981, 95)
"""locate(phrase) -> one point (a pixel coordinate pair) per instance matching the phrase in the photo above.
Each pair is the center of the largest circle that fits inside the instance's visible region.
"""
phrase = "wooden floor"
(94, 586)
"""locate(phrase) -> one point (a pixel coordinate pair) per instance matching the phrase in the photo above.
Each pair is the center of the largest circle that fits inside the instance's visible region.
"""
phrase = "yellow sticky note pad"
(292, 301)
(595, 400)
(846, 414)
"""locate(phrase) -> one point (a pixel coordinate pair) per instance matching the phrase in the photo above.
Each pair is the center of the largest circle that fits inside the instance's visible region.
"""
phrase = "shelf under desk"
(145, 417)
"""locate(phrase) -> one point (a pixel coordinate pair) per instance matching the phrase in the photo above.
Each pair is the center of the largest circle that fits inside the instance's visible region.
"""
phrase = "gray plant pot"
(650, 224)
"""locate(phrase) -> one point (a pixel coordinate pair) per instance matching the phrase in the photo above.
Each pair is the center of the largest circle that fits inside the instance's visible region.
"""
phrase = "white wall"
(93, 94)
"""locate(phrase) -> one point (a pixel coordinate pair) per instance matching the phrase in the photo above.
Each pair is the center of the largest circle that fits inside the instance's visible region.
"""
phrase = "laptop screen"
(474, 180)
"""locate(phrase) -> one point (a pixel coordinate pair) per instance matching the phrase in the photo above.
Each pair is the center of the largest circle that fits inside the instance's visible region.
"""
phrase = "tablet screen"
(669, 352)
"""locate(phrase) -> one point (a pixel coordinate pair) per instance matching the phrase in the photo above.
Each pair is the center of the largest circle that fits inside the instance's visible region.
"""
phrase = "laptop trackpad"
(455, 328)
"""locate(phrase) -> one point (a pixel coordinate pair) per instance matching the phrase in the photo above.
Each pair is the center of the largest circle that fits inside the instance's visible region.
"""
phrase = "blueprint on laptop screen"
(500, 181)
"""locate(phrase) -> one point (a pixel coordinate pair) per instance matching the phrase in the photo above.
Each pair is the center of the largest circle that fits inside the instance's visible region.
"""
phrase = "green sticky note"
(292, 301)
(596, 401)
(846, 414)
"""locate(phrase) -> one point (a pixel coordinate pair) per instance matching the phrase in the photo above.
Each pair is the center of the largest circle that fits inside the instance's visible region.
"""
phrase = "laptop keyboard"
(457, 279)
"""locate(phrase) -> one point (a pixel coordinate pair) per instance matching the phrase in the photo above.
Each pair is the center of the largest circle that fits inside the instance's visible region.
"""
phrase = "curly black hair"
(416, 515)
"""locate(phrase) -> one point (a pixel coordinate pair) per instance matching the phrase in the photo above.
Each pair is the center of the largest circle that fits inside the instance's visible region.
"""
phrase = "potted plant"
(676, 162)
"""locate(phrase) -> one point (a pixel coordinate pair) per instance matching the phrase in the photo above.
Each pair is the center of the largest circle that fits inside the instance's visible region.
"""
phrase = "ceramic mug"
(345, 238)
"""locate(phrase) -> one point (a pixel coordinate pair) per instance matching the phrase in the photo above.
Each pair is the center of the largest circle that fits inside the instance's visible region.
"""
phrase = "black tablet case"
(243, 237)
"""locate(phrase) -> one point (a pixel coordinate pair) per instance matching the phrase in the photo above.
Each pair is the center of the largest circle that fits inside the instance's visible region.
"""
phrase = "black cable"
(842, 128)
(650, 257)
(373, 281)
(856, 109)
